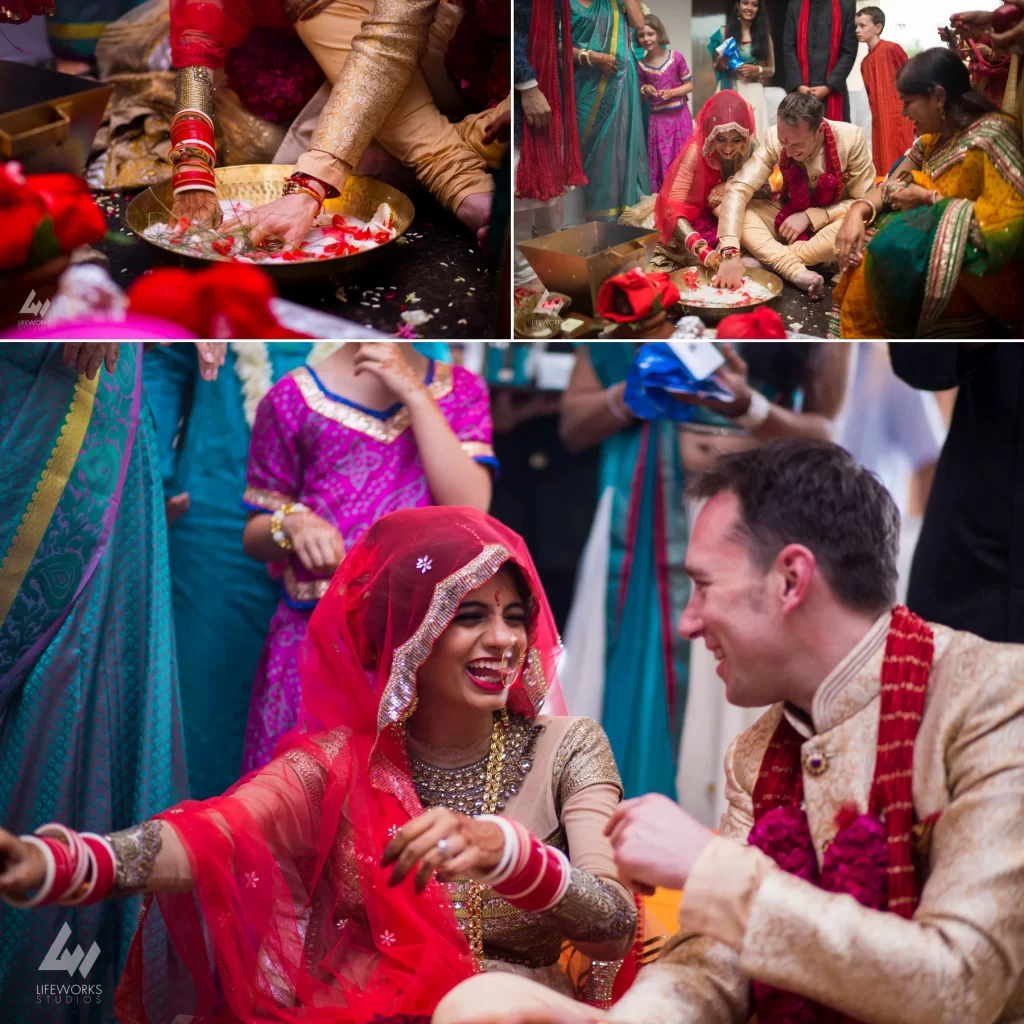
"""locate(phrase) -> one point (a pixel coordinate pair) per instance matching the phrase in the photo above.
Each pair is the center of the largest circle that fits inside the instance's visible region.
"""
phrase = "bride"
(423, 822)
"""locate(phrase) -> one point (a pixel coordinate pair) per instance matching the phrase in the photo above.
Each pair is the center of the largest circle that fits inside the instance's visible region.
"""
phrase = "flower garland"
(796, 193)
(871, 856)
(253, 369)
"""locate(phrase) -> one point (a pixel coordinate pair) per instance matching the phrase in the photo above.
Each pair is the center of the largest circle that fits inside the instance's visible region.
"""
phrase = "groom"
(871, 860)
(825, 165)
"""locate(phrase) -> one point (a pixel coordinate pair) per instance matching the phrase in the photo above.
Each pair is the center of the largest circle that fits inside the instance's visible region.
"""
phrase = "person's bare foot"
(475, 211)
(812, 283)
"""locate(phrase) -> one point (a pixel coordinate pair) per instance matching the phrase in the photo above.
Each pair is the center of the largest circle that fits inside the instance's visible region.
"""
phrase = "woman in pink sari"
(373, 428)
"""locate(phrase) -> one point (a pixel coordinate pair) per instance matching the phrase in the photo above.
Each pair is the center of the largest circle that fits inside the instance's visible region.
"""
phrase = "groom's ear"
(795, 565)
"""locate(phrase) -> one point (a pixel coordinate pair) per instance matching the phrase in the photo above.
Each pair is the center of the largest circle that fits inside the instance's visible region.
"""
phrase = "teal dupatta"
(609, 113)
(646, 662)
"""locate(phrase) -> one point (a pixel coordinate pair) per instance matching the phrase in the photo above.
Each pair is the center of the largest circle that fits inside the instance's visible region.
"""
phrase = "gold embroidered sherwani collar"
(849, 687)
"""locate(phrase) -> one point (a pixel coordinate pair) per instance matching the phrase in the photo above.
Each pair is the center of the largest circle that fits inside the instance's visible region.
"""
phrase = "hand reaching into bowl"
(288, 219)
(199, 207)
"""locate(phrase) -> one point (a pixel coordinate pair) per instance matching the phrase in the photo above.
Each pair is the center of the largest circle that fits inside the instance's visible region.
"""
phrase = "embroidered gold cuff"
(477, 450)
(135, 849)
(270, 500)
(304, 590)
(193, 90)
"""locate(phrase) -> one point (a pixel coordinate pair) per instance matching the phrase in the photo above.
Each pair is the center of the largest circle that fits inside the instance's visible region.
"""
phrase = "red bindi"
(497, 598)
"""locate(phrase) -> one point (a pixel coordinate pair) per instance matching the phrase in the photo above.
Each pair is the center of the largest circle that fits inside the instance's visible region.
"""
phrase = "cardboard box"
(48, 120)
(579, 260)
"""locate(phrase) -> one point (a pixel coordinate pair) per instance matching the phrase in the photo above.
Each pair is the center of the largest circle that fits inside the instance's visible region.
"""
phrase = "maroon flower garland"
(869, 856)
(796, 192)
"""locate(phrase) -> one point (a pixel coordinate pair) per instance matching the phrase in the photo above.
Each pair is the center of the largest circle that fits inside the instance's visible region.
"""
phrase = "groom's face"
(732, 605)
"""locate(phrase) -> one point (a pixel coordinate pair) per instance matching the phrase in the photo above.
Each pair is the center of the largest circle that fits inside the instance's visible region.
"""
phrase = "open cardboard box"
(579, 260)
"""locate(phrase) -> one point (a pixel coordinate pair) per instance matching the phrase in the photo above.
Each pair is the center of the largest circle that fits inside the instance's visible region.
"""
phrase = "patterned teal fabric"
(646, 663)
(90, 730)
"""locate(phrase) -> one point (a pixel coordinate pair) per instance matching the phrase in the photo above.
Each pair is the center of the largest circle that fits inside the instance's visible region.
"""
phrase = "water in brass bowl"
(260, 184)
(715, 313)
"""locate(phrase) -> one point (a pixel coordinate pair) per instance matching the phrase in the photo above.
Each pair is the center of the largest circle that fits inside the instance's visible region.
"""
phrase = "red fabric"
(14, 12)
(834, 104)
(642, 292)
(43, 216)
(892, 134)
(550, 161)
(796, 193)
(228, 300)
(203, 31)
(762, 323)
(871, 856)
(661, 575)
(693, 175)
(397, 952)
(479, 57)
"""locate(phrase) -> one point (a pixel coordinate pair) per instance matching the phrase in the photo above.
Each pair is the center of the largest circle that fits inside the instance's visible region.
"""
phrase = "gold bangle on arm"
(870, 205)
(193, 90)
(292, 187)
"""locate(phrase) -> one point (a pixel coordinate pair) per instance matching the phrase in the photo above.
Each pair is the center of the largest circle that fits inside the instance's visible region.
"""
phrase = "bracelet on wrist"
(756, 413)
(622, 417)
(281, 539)
(870, 205)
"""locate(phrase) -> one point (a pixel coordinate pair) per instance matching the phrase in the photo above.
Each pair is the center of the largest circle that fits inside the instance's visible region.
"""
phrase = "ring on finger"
(442, 848)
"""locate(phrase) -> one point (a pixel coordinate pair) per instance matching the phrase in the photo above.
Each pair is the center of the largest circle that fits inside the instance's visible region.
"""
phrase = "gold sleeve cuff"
(257, 499)
(193, 90)
(477, 449)
(384, 57)
(327, 168)
(818, 216)
(721, 889)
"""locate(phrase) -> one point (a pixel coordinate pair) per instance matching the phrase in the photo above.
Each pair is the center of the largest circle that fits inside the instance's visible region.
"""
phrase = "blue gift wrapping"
(655, 370)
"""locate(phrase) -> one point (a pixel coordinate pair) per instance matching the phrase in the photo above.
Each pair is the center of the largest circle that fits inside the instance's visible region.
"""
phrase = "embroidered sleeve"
(741, 187)
(273, 475)
(584, 759)
(468, 411)
(593, 911)
(135, 850)
(385, 54)
(916, 153)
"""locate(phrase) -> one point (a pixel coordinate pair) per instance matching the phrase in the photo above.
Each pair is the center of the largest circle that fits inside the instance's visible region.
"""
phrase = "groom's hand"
(656, 843)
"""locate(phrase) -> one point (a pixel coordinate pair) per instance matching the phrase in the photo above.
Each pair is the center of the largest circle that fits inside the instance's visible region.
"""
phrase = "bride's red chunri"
(265, 913)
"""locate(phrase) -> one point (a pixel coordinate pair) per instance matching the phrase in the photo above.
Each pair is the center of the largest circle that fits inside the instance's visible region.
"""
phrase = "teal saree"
(609, 113)
(646, 662)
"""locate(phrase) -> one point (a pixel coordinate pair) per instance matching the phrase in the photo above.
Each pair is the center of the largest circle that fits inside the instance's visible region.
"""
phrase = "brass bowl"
(260, 184)
(713, 313)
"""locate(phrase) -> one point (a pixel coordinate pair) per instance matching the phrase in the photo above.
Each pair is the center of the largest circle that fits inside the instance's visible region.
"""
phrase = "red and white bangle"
(540, 877)
(104, 871)
(509, 855)
(76, 852)
(691, 241)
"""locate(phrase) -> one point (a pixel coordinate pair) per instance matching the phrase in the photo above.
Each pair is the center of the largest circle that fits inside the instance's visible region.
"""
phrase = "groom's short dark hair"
(801, 108)
(816, 494)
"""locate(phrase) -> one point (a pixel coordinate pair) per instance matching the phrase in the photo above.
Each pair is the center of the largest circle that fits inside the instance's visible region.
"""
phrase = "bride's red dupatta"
(291, 918)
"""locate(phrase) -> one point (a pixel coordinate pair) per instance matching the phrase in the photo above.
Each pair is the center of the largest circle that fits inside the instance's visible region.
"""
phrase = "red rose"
(19, 229)
(631, 297)
(77, 220)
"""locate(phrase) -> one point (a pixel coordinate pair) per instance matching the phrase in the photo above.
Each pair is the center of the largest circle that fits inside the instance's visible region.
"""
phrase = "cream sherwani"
(958, 961)
(753, 220)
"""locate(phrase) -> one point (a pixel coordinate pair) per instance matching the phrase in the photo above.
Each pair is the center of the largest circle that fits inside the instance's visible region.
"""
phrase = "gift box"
(48, 120)
(730, 52)
(577, 261)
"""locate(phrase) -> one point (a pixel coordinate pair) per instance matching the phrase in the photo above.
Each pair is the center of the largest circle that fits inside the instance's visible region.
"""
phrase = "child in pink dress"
(406, 432)
(665, 83)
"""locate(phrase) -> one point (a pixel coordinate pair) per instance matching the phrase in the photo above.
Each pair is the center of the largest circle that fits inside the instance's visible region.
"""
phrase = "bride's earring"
(511, 662)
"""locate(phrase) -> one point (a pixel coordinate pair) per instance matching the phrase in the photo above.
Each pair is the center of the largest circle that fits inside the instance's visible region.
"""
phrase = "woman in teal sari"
(646, 661)
(223, 600)
(608, 108)
(90, 726)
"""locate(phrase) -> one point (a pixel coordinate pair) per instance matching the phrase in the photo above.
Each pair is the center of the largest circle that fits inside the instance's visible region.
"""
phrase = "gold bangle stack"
(870, 205)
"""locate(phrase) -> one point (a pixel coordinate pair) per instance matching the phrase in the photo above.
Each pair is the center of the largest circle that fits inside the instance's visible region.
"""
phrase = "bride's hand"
(288, 219)
(199, 207)
(444, 841)
(911, 196)
(22, 867)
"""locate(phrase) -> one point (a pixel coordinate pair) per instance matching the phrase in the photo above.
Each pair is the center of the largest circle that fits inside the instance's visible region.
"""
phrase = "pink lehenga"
(350, 465)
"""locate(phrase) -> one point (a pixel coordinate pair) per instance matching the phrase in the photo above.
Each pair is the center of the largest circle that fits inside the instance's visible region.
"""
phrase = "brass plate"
(260, 184)
(705, 276)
